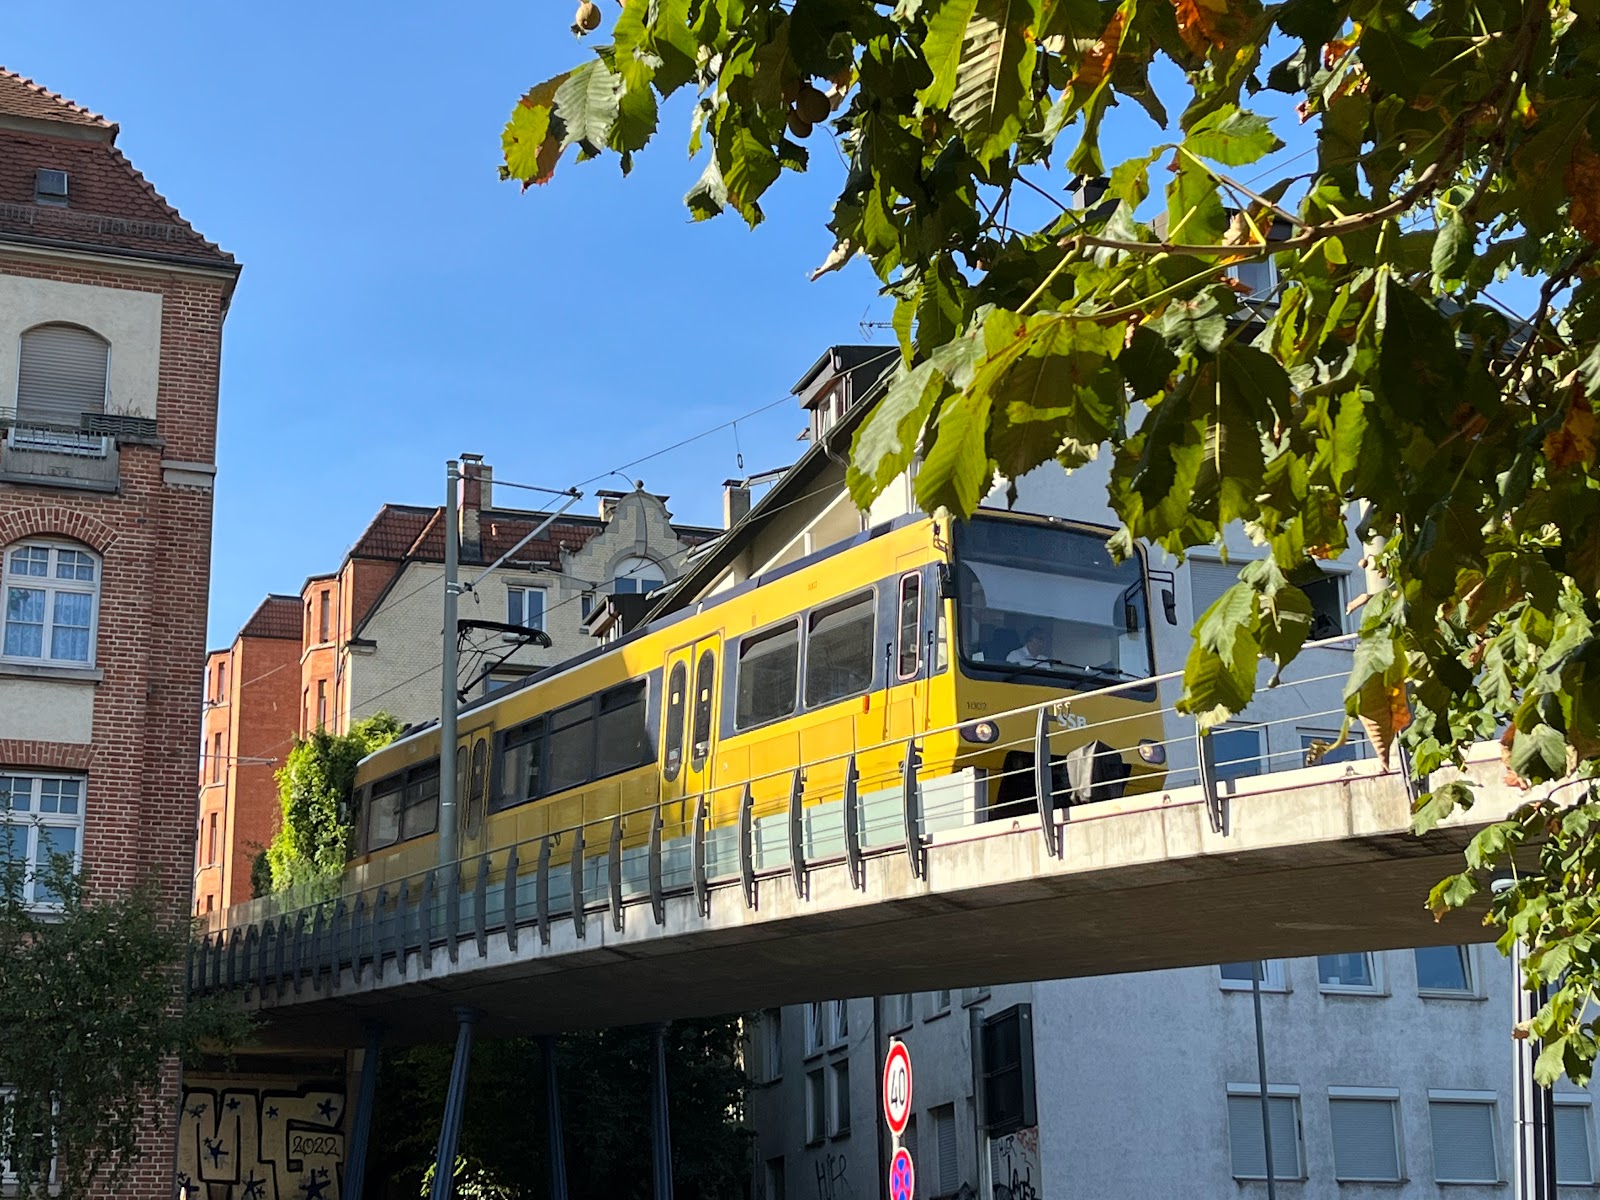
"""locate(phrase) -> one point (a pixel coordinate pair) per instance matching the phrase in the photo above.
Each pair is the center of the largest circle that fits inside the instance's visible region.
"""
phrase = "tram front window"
(1039, 600)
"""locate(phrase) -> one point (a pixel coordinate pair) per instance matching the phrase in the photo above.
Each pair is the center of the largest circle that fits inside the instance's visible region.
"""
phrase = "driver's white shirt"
(1027, 657)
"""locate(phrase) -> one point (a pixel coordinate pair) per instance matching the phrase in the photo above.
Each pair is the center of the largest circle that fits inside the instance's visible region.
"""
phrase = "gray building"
(1389, 1074)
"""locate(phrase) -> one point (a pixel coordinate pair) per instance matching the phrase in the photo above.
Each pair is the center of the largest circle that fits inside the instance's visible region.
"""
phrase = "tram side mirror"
(1169, 605)
(947, 582)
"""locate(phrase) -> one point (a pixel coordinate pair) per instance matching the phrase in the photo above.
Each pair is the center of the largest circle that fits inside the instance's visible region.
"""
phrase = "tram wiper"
(1082, 669)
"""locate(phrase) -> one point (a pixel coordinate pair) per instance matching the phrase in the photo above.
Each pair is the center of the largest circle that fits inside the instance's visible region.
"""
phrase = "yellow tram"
(919, 629)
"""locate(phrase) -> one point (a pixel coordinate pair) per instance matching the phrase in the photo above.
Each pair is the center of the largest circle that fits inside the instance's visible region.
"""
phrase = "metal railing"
(725, 838)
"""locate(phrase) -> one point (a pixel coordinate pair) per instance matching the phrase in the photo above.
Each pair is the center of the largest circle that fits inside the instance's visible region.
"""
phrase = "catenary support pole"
(361, 1123)
(448, 667)
(444, 1162)
(1261, 1074)
(660, 1128)
(552, 1096)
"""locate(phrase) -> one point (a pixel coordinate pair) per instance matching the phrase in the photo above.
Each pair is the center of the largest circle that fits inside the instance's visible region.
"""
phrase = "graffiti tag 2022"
(237, 1141)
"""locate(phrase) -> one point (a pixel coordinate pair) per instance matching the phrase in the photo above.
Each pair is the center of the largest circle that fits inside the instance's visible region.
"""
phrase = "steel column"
(355, 1168)
(444, 1162)
(552, 1095)
(660, 1127)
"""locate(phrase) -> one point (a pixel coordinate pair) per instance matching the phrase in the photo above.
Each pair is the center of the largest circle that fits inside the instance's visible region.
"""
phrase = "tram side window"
(383, 813)
(677, 686)
(571, 746)
(519, 764)
(839, 650)
(910, 649)
(769, 668)
(420, 813)
(622, 737)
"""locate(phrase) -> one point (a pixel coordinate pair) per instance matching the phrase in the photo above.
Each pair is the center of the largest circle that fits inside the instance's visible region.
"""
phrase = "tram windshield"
(1038, 599)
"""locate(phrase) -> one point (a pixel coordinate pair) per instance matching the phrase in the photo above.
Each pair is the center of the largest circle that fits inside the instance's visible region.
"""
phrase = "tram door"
(688, 724)
(472, 792)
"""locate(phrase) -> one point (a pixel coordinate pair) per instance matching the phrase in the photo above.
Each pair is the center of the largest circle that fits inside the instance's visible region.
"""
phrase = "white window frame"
(523, 591)
(769, 1032)
(1471, 992)
(1578, 1100)
(974, 995)
(1387, 1095)
(818, 1026)
(1375, 971)
(637, 569)
(838, 1018)
(8, 1177)
(816, 1078)
(1274, 978)
(899, 1011)
(52, 587)
(1491, 1100)
(837, 1077)
(32, 822)
(1276, 1091)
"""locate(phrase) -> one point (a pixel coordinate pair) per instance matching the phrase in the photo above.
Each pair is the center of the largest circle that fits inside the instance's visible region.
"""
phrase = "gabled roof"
(22, 97)
(275, 617)
(111, 207)
(393, 531)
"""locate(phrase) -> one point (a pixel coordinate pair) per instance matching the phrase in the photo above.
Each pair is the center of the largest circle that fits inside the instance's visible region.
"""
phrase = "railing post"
(1205, 758)
(697, 868)
(452, 909)
(1044, 786)
(852, 826)
(658, 904)
(508, 903)
(480, 906)
(317, 927)
(403, 905)
(916, 852)
(747, 851)
(299, 949)
(282, 960)
(382, 930)
(614, 875)
(355, 1169)
(578, 915)
(336, 942)
(541, 888)
(357, 915)
(797, 832)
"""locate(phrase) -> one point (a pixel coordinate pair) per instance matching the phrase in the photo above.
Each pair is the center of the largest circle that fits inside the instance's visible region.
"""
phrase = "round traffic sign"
(902, 1176)
(897, 1088)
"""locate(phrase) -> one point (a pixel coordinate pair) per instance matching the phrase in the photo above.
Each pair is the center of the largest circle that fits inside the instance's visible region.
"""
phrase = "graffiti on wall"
(833, 1178)
(268, 1142)
(1015, 1159)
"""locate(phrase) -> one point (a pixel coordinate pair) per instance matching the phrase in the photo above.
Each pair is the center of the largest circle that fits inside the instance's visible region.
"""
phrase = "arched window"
(61, 376)
(52, 598)
(637, 575)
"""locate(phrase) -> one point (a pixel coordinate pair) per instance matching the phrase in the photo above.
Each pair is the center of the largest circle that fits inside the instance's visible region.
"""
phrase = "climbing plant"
(314, 784)
(91, 1025)
(1447, 147)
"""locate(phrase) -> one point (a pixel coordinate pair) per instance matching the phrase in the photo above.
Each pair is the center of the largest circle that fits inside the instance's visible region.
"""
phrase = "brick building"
(111, 313)
(365, 639)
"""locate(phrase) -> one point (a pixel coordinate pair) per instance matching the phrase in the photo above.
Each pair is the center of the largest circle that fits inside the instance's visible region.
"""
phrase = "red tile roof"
(276, 617)
(22, 97)
(111, 206)
(393, 532)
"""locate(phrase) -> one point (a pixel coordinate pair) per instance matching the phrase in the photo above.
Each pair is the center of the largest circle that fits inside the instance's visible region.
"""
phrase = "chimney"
(475, 487)
(1089, 196)
(735, 502)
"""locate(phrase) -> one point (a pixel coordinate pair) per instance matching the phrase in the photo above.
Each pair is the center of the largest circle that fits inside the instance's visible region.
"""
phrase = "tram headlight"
(1152, 752)
(985, 733)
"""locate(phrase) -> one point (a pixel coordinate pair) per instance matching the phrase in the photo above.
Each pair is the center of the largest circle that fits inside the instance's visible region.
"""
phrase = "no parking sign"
(902, 1176)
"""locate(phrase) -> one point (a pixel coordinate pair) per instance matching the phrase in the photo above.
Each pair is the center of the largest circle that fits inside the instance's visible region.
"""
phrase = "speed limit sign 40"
(897, 1087)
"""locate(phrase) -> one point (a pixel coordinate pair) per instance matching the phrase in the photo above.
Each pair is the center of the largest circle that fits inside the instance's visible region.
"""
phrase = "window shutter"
(62, 375)
(1208, 580)
(1363, 1139)
(1463, 1142)
(1572, 1144)
(944, 1128)
(1246, 1149)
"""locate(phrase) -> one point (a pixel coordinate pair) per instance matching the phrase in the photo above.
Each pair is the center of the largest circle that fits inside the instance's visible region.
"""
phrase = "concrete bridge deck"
(1315, 860)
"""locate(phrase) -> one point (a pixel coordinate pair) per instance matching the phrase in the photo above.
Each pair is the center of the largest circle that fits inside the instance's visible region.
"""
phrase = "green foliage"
(314, 839)
(1455, 145)
(90, 1016)
(605, 1084)
(260, 875)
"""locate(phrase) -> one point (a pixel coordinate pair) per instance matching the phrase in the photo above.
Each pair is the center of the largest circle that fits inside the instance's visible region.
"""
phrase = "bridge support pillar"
(552, 1094)
(660, 1129)
(455, 1100)
(361, 1122)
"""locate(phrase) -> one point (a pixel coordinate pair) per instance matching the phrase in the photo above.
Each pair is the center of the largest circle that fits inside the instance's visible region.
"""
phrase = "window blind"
(1364, 1145)
(1208, 580)
(62, 375)
(1463, 1141)
(1573, 1164)
(944, 1129)
(1245, 1146)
